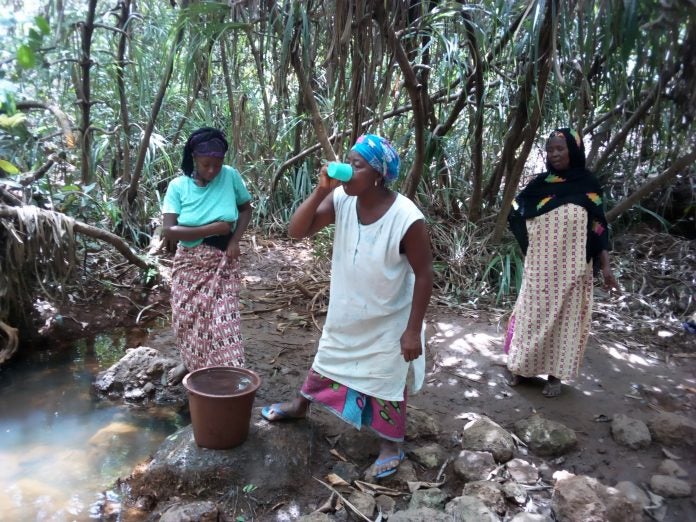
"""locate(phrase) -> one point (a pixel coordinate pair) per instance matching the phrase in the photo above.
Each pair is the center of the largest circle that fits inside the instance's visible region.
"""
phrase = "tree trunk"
(317, 122)
(123, 19)
(527, 124)
(84, 94)
(157, 105)
(416, 95)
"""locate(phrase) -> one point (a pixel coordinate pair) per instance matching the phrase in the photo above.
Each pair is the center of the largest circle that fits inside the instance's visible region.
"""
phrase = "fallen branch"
(86, 230)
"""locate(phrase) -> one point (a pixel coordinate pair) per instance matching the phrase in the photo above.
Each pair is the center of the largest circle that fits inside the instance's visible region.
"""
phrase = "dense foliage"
(98, 96)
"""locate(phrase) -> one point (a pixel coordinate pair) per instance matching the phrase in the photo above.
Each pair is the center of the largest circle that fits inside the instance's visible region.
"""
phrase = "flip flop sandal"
(389, 471)
(274, 413)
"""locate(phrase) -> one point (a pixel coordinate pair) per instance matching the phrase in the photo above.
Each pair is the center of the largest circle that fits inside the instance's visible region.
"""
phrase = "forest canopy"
(98, 97)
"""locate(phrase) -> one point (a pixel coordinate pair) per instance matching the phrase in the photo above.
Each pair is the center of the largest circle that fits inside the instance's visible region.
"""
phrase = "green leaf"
(26, 57)
(42, 24)
(8, 167)
(35, 38)
(10, 122)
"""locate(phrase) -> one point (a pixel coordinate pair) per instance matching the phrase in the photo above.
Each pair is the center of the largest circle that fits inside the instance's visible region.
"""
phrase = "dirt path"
(630, 375)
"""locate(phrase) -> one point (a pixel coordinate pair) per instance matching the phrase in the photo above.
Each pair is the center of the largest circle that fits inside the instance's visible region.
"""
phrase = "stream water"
(61, 448)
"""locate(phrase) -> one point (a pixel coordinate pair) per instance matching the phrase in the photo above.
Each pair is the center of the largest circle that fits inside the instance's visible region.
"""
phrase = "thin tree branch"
(61, 117)
(651, 186)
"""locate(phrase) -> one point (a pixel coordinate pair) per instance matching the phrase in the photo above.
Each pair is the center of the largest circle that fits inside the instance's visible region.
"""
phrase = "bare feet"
(176, 374)
(552, 387)
(297, 409)
(388, 461)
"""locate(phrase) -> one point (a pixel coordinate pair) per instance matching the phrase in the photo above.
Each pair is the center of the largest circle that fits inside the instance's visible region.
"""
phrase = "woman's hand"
(325, 182)
(411, 347)
(233, 251)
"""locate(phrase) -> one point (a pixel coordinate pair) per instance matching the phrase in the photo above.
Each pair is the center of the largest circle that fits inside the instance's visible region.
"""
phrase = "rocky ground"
(617, 445)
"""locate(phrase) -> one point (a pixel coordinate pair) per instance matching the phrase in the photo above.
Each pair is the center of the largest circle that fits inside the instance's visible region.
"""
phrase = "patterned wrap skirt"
(548, 330)
(386, 418)
(205, 308)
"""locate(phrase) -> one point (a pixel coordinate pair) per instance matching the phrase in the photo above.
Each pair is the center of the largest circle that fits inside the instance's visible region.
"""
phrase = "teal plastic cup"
(340, 171)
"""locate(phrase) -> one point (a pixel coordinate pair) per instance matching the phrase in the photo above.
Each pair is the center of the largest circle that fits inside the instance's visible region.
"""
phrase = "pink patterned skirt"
(205, 308)
(386, 418)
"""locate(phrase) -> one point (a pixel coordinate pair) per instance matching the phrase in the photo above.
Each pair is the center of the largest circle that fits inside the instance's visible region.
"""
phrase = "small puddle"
(61, 448)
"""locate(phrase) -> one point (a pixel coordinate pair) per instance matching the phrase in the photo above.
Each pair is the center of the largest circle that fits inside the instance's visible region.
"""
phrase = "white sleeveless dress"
(370, 302)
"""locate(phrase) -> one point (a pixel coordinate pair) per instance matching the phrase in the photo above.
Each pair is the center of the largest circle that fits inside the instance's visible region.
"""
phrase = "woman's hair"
(576, 148)
(206, 141)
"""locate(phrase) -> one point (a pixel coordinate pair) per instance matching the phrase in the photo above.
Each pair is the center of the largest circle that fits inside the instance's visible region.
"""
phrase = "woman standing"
(558, 219)
(206, 210)
(381, 281)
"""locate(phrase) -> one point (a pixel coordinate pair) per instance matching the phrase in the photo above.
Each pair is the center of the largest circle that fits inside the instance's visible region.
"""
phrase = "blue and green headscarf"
(380, 154)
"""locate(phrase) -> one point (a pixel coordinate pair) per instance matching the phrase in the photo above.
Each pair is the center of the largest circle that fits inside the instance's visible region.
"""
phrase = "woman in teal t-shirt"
(206, 210)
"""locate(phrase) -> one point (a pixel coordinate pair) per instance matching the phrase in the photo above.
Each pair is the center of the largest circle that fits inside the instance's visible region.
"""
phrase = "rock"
(530, 517)
(630, 432)
(420, 425)
(634, 493)
(203, 511)
(430, 456)
(672, 469)
(433, 498)
(488, 492)
(470, 509)
(315, 517)
(514, 493)
(359, 446)
(482, 434)
(584, 499)
(522, 471)
(546, 472)
(673, 430)
(347, 471)
(272, 458)
(473, 465)
(420, 515)
(385, 505)
(670, 486)
(545, 437)
(363, 502)
(114, 433)
(139, 377)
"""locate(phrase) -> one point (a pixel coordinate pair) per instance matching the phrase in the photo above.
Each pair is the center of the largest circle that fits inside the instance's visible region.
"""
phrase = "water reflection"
(61, 448)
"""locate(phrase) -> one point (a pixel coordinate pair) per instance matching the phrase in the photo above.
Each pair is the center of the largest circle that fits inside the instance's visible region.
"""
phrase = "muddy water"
(61, 449)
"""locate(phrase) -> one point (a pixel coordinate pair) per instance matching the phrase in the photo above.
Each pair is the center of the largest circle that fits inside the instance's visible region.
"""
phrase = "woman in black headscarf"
(559, 221)
(206, 210)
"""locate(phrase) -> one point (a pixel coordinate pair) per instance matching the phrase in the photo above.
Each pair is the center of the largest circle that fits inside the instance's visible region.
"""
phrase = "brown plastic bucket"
(220, 402)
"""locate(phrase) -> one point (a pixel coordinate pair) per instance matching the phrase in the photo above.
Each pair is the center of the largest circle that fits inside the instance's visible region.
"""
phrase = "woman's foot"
(297, 409)
(552, 387)
(390, 457)
(512, 379)
(176, 374)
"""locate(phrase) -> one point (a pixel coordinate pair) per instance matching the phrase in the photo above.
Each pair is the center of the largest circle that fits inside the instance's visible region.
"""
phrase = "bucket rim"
(255, 381)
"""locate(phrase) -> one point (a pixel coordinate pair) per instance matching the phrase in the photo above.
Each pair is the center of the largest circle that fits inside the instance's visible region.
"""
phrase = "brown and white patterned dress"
(551, 319)
(205, 308)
